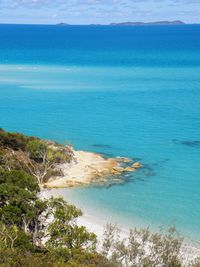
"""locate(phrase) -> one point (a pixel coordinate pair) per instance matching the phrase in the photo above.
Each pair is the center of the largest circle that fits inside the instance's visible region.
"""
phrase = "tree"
(142, 248)
(35, 156)
(20, 205)
(18, 192)
(36, 232)
(43, 158)
(39, 162)
(64, 233)
(8, 236)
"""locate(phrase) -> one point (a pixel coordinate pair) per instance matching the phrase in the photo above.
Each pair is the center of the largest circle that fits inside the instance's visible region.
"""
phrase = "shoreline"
(188, 251)
(96, 224)
(88, 168)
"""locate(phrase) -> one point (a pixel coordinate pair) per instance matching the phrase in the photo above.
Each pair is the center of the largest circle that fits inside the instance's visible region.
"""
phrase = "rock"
(129, 169)
(99, 174)
(93, 171)
(118, 169)
(115, 172)
(122, 159)
(127, 160)
(105, 171)
(136, 165)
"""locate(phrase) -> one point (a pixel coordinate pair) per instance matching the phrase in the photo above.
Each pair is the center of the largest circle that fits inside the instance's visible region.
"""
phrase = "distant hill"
(129, 23)
(63, 24)
(175, 22)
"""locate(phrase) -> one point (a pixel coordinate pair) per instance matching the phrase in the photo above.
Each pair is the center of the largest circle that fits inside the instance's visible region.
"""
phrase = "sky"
(97, 11)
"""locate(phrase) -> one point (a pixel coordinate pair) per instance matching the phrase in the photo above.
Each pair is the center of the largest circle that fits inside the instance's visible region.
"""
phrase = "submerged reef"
(189, 143)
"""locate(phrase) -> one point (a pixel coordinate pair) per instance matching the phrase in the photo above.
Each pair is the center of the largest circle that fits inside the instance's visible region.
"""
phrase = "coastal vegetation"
(44, 232)
(34, 156)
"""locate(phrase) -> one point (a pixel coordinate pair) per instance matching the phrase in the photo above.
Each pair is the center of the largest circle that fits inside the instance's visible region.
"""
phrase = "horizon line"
(99, 24)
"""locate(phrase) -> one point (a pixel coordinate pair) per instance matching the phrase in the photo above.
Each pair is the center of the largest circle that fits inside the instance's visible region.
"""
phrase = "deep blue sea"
(122, 91)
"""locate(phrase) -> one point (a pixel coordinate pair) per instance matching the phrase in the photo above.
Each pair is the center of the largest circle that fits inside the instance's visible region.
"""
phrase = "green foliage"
(13, 237)
(64, 231)
(37, 149)
(20, 206)
(15, 141)
(17, 197)
(20, 179)
(142, 248)
(44, 157)
(36, 232)
(22, 258)
(8, 236)
(23, 226)
(37, 157)
(42, 151)
(59, 154)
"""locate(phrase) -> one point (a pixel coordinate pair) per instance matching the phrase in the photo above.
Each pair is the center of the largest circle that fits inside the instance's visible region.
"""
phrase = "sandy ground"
(89, 167)
(96, 225)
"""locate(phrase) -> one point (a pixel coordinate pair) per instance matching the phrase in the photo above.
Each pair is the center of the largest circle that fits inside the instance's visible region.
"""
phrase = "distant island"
(62, 24)
(138, 23)
(164, 22)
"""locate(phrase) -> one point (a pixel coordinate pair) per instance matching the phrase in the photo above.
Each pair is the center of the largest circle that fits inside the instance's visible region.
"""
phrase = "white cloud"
(105, 10)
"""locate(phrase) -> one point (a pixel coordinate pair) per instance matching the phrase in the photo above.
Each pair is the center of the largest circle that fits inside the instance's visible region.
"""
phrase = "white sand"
(89, 167)
(97, 224)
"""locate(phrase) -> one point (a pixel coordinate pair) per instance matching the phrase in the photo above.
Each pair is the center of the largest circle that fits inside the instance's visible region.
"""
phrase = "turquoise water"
(122, 91)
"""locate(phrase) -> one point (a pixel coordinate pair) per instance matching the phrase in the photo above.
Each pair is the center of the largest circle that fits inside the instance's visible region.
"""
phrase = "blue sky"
(97, 11)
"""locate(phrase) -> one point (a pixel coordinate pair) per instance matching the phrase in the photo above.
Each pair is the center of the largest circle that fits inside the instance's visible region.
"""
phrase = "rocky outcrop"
(89, 168)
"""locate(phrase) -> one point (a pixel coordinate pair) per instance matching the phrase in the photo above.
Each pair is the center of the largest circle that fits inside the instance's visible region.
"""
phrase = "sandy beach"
(88, 167)
(97, 225)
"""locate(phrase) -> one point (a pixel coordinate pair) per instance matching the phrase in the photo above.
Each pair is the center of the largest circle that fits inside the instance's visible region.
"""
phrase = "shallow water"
(130, 92)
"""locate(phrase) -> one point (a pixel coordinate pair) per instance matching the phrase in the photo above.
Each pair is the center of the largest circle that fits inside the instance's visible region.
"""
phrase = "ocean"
(120, 91)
